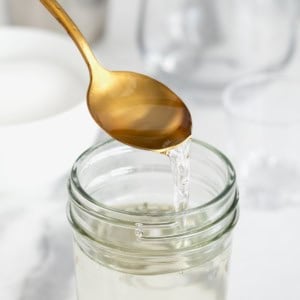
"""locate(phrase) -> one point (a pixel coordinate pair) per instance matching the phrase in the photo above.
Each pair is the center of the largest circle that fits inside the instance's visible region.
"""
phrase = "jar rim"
(74, 183)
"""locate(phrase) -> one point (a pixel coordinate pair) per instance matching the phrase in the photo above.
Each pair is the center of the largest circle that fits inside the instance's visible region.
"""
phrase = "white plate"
(44, 121)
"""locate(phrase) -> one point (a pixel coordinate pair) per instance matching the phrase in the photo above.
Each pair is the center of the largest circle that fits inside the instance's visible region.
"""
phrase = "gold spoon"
(133, 108)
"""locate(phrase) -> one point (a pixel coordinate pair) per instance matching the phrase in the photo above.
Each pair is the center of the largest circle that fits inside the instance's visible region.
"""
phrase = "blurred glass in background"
(264, 132)
(90, 15)
(202, 45)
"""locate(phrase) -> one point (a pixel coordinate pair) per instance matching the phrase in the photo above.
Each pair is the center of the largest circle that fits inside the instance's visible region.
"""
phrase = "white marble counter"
(36, 252)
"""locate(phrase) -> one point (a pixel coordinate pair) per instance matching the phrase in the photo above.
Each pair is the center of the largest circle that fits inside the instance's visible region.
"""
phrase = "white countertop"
(37, 263)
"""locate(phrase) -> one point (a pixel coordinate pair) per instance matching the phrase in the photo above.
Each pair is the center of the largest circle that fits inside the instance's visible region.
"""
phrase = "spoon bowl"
(132, 108)
(139, 111)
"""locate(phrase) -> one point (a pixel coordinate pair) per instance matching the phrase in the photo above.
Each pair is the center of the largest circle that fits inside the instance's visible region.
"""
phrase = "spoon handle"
(63, 18)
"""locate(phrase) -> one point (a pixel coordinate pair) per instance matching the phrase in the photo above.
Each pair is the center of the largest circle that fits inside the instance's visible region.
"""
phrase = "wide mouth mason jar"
(129, 241)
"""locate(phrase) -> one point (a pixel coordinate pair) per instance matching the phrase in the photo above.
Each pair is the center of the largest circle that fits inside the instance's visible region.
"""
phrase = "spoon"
(132, 108)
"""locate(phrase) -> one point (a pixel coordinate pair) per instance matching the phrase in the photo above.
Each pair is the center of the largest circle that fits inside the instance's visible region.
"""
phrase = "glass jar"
(263, 114)
(129, 241)
(199, 46)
